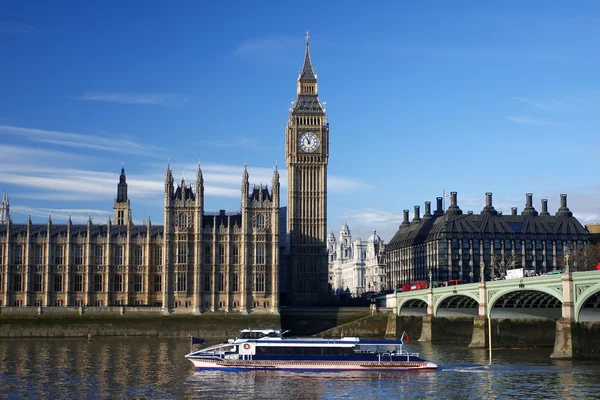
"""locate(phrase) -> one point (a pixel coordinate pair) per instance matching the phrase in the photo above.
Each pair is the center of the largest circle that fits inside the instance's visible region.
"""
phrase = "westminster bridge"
(570, 298)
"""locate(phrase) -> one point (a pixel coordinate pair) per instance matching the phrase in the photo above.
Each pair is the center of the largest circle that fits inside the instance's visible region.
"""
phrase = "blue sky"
(421, 96)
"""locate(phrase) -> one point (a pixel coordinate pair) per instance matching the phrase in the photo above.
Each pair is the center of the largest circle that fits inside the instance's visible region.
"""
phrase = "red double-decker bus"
(416, 285)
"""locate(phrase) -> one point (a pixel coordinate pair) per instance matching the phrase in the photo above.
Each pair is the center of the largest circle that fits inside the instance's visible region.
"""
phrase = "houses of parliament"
(197, 261)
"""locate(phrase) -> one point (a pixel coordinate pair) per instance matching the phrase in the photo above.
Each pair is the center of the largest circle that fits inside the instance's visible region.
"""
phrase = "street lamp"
(567, 254)
(481, 271)
(430, 279)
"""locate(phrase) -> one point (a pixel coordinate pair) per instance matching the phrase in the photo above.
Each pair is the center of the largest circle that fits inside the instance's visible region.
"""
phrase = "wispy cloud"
(340, 183)
(266, 45)
(534, 103)
(116, 144)
(159, 99)
(17, 28)
(77, 214)
(229, 143)
(373, 217)
(272, 50)
(526, 120)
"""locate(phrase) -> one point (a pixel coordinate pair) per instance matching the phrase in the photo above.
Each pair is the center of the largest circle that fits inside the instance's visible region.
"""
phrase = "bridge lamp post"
(481, 271)
(567, 254)
(430, 279)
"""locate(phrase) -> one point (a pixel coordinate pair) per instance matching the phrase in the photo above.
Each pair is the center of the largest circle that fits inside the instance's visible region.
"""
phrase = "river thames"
(109, 367)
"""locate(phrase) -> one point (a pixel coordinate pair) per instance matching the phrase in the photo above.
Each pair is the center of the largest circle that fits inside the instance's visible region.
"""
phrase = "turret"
(245, 185)
(121, 207)
(275, 186)
(4, 209)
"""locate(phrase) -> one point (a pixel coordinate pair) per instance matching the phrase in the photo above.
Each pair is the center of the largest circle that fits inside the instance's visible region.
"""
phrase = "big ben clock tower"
(307, 153)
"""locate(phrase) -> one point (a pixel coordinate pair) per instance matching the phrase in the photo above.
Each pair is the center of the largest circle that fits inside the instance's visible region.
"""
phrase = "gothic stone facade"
(356, 266)
(453, 245)
(196, 262)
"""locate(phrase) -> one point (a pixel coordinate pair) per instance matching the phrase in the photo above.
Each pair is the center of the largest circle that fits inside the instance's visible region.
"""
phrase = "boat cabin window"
(252, 335)
(304, 351)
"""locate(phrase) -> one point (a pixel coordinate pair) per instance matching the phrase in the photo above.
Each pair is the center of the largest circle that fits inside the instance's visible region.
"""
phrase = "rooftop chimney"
(563, 211)
(529, 210)
(489, 208)
(417, 217)
(440, 208)
(544, 207)
(405, 221)
(453, 209)
(427, 214)
(469, 212)
(514, 211)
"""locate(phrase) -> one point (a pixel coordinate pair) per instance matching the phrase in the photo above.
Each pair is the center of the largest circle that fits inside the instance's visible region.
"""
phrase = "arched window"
(182, 220)
(260, 221)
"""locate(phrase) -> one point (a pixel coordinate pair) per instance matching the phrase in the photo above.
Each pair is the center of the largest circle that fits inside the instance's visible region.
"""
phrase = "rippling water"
(156, 368)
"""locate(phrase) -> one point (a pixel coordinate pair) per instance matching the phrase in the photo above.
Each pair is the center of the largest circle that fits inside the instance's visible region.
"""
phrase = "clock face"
(308, 142)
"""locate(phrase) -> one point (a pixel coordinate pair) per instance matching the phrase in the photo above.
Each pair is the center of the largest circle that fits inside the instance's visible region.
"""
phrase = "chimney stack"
(417, 216)
(514, 211)
(563, 200)
(427, 207)
(488, 199)
(453, 202)
(529, 210)
(405, 221)
(440, 208)
(529, 200)
(544, 207)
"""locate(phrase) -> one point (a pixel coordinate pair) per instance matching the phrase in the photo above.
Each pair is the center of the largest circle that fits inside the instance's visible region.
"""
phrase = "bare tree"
(501, 264)
(584, 258)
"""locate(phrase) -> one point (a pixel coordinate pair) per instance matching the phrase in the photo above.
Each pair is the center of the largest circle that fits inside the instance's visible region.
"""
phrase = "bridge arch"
(413, 306)
(580, 302)
(467, 304)
(526, 302)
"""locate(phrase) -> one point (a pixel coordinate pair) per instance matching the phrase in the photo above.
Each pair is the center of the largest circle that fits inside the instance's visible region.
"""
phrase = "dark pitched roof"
(260, 194)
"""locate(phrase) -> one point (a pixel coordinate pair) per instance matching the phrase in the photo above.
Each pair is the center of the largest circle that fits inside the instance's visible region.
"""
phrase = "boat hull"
(243, 365)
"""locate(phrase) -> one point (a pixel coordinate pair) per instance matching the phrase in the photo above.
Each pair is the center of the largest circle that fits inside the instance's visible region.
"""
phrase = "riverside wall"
(149, 321)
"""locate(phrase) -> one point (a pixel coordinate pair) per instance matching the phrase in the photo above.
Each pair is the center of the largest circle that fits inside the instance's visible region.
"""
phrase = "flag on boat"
(405, 336)
(196, 340)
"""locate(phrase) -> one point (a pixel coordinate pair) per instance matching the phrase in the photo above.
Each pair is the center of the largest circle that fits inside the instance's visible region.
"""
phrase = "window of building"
(221, 282)
(181, 281)
(158, 255)
(58, 283)
(1, 255)
(38, 282)
(78, 255)
(38, 303)
(139, 302)
(120, 217)
(236, 254)
(259, 253)
(235, 282)
(17, 282)
(221, 253)
(138, 255)
(39, 255)
(157, 283)
(19, 255)
(78, 303)
(138, 285)
(1, 283)
(98, 282)
(118, 283)
(207, 282)
(78, 282)
(99, 303)
(207, 251)
(119, 255)
(182, 251)
(58, 255)
(259, 282)
(260, 221)
(98, 253)
(182, 220)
